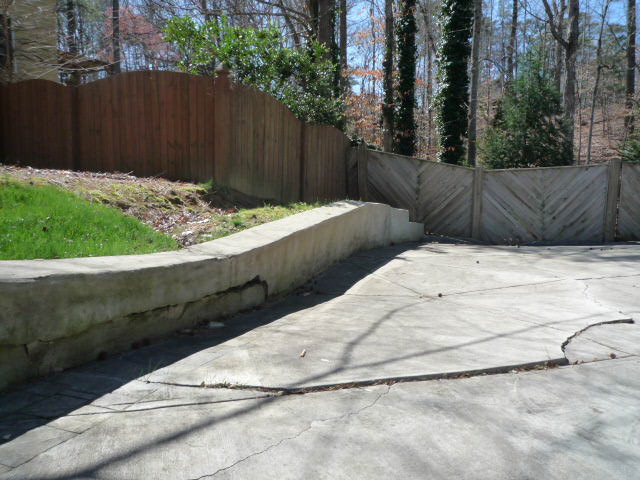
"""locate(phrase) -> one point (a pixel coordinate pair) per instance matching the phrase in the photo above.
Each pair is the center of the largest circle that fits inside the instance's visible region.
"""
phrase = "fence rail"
(180, 126)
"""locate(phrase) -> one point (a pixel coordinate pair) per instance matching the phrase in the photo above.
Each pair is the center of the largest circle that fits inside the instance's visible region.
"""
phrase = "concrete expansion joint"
(284, 391)
(606, 277)
(310, 426)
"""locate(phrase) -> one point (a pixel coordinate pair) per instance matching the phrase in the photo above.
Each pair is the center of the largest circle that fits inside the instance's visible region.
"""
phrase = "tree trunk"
(405, 123)
(326, 25)
(373, 85)
(557, 71)
(115, 39)
(344, 79)
(597, 82)
(512, 42)
(343, 34)
(313, 6)
(426, 10)
(475, 77)
(290, 25)
(206, 13)
(388, 105)
(571, 53)
(72, 41)
(630, 83)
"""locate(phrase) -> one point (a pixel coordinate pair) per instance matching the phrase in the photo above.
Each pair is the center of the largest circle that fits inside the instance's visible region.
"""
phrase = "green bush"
(529, 129)
(630, 149)
(300, 78)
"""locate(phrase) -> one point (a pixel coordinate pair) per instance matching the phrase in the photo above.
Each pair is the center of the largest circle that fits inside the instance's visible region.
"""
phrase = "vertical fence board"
(207, 130)
(629, 206)
(36, 124)
(111, 104)
(152, 96)
(222, 128)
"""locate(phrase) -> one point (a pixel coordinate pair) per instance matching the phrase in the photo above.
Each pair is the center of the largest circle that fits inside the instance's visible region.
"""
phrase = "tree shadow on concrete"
(118, 371)
(43, 400)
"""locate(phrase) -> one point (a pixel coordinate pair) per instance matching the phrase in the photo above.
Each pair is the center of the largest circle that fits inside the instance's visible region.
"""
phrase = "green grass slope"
(48, 222)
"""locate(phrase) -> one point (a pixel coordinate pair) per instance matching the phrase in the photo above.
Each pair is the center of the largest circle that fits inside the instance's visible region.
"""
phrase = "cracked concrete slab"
(570, 422)
(32, 444)
(435, 308)
(602, 342)
(409, 310)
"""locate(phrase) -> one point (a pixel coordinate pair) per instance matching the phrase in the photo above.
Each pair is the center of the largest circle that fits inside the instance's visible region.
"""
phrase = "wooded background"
(595, 39)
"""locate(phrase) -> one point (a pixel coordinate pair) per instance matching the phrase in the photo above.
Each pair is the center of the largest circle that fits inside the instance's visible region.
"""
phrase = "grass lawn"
(48, 222)
(60, 213)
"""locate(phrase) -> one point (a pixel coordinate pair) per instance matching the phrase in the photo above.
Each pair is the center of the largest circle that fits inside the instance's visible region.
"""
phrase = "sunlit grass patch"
(48, 222)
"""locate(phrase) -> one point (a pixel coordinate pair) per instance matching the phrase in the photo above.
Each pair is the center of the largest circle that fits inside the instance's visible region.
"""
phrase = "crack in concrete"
(606, 277)
(579, 332)
(613, 349)
(293, 437)
(75, 434)
(586, 295)
(281, 391)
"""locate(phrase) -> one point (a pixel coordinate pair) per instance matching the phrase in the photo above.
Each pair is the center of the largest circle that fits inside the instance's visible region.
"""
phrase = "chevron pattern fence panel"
(629, 206)
(445, 199)
(562, 204)
(393, 179)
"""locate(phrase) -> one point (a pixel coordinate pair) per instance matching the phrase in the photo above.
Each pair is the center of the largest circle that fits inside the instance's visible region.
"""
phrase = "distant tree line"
(440, 79)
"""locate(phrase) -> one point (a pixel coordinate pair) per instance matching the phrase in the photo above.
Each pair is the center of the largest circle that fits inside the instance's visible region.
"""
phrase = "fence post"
(223, 127)
(74, 131)
(613, 195)
(351, 171)
(476, 226)
(363, 177)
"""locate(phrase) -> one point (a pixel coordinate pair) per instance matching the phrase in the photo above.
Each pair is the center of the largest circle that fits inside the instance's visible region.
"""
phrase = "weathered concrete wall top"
(58, 313)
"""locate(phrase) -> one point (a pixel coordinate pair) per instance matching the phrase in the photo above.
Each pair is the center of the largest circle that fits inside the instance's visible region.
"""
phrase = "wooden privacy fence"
(175, 125)
(186, 127)
(591, 203)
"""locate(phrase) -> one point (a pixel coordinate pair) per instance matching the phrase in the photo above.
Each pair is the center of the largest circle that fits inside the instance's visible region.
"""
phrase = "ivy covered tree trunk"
(512, 43)
(388, 106)
(630, 77)
(452, 98)
(405, 125)
(344, 80)
(475, 80)
(326, 26)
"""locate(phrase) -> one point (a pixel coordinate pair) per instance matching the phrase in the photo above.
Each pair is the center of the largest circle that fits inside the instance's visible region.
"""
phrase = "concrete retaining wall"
(55, 314)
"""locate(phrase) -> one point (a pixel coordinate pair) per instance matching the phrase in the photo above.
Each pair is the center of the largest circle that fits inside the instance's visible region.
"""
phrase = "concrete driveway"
(428, 360)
